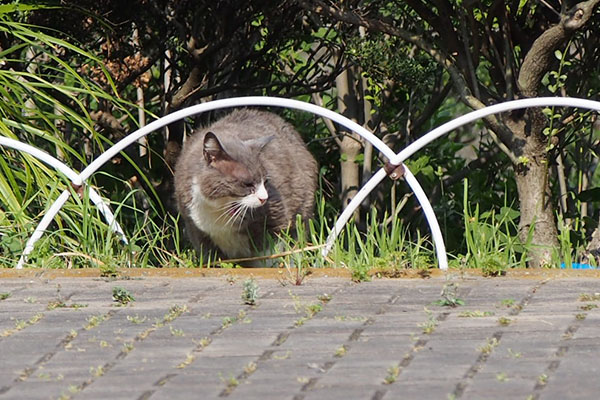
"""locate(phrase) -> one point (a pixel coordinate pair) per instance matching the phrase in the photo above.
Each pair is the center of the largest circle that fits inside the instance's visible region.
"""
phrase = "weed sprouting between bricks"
(122, 296)
(250, 291)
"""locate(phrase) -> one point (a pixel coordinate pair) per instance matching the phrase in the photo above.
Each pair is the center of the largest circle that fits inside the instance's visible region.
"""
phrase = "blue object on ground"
(578, 266)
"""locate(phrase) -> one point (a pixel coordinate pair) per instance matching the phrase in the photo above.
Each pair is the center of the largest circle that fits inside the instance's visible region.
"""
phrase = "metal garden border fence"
(395, 159)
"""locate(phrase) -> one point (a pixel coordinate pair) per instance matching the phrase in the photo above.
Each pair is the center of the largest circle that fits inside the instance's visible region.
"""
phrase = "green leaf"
(589, 195)
(558, 54)
(510, 214)
(16, 6)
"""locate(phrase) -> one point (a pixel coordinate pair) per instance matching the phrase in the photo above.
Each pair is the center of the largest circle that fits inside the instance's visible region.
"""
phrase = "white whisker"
(239, 210)
(228, 210)
(244, 211)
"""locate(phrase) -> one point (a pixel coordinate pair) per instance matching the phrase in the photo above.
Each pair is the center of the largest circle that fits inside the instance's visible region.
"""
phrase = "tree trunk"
(537, 225)
(537, 212)
(351, 145)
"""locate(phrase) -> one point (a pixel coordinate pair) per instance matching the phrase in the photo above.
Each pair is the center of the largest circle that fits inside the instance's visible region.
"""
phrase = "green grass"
(384, 248)
(492, 243)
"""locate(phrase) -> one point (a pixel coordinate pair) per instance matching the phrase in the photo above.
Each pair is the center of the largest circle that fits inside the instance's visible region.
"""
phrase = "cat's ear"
(259, 143)
(213, 150)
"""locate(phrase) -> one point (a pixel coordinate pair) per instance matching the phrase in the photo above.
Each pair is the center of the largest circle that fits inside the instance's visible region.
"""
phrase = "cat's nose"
(262, 198)
(261, 194)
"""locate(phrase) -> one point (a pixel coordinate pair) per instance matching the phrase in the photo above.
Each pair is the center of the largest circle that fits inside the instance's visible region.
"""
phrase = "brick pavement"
(330, 338)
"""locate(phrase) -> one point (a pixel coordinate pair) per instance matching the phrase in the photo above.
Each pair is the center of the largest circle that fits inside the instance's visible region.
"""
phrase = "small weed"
(313, 309)
(518, 307)
(324, 298)
(589, 297)
(392, 374)
(504, 321)
(108, 270)
(514, 354)
(567, 335)
(507, 302)
(188, 360)
(228, 265)
(158, 323)
(44, 376)
(136, 319)
(122, 296)
(489, 346)
(5, 295)
(250, 292)
(227, 321)
(250, 368)
(297, 302)
(475, 314)
(580, 316)
(104, 344)
(350, 318)
(176, 332)
(449, 296)
(97, 371)
(429, 326)
(54, 304)
(588, 307)
(127, 347)
(492, 265)
(341, 351)
(543, 379)
(73, 389)
(174, 312)
(22, 324)
(94, 320)
(501, 377)
(300, 321)
(205, 341)
(283, 356)
(360, 273)
(30, 299)
(231, 382)
(309, 310)
(241, 317)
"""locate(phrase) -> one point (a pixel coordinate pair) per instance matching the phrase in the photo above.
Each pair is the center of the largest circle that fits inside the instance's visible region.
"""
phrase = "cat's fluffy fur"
(246, 174)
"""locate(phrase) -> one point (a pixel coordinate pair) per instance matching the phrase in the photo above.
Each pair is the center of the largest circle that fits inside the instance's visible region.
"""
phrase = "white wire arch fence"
(395, 159)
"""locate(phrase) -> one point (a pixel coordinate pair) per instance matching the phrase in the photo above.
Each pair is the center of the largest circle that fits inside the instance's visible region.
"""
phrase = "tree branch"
(460, 85)
(541, 55)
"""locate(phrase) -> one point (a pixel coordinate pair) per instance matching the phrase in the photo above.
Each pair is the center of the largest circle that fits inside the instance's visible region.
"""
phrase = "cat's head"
(234, 176)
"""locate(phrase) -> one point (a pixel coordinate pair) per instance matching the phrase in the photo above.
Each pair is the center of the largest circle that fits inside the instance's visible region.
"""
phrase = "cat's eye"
(249, 185)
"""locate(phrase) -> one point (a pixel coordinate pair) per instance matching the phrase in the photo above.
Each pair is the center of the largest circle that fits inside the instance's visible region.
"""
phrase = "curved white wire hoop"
(394, 158)
(218, 104)
(62, 199)
(440, 131)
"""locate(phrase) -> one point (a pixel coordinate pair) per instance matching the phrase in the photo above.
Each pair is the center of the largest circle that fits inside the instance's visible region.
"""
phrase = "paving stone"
(221, 348)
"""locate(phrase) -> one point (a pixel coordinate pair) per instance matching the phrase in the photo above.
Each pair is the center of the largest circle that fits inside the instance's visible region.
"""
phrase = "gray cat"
(247, 175)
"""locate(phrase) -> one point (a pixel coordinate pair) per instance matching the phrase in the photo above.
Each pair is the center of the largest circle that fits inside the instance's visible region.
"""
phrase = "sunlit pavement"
(195, 338)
